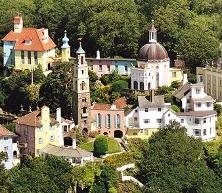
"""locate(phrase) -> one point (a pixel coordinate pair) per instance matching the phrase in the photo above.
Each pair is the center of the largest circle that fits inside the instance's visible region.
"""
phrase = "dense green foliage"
(172, 157)
(100, 145)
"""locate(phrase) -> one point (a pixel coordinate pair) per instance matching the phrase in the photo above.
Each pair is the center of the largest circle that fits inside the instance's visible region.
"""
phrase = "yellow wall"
(46, 131)
(65, 54)
(178, 75)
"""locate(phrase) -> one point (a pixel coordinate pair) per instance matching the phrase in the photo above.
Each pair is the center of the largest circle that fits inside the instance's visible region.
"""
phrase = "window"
(36, 57)
(116, 67)
(126, 68)
(5, 138)
(5, 148)
(197, 121)
(136, 110)
(204, 132)
(23, 57)
(159, 109)
(108, 68)
(196, 132)
(198, 104)
(168, 114)
(210, 130)
(220, 82)
(108, 121)
(99, 120)
(135, 118)
(209, 104)
(118, 121)
(210, 119)
(40, 140)
(141, 86)
(146, 109)
(29, 57)
(83, 85)
(84, 99)
(84, 110)
(197, 91)
(158, 120)
(81, 59)
(204, 120)
(182, 120)
(135, 85)
(100, 67)
(65, 128)
(82, 71)
(174, 74)
(146, 120)
(52, 138)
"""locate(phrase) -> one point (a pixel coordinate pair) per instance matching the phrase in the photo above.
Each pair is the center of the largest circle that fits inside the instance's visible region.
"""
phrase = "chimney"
(45, 115)
(152, 94)
(45, 34)
(18, 24)
(74, 143)
(185, 80)
(58, 115)
(97, 54)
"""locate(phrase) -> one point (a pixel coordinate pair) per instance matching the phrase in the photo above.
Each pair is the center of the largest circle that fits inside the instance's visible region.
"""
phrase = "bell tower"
(81, 92)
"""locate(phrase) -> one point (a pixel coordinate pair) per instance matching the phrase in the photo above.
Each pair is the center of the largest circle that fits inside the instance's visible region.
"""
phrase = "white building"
(8, 145)
(197, 114)
(153, 65)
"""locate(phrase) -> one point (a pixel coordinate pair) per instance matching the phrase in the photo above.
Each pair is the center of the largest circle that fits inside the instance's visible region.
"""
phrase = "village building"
(8, 145)
(38, 129)
(109, 118)
(26, 48)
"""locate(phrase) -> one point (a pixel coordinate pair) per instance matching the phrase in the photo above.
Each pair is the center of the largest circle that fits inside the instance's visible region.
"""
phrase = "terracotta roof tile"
(33, 119)
(120, 103)
(5, 132)
(33, 34)
(101, 106)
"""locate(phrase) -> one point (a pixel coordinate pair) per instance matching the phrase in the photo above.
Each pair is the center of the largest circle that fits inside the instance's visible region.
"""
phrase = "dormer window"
(28, 42)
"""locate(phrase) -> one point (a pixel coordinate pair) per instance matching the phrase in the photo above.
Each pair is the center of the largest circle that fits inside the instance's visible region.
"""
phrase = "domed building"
(153, 65)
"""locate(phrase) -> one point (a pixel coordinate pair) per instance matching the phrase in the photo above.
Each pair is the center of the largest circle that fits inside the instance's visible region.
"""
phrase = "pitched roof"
(101, 106)
(33, 119)
(120, 103)
(6, 132)
(197, 113)
(158, 101)
(65, 152)
(180, 92)
(203, 99)
(32, 34)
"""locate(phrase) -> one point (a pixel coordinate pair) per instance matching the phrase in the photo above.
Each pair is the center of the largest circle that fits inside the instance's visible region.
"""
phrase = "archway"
(118, 134)
(67, 141)
(105, 133)
(85, 131)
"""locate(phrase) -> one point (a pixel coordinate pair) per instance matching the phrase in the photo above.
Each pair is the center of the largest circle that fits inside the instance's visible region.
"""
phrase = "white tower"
(65, 48)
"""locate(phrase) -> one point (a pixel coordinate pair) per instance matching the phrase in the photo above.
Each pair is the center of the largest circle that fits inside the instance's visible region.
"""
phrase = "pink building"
(109, 118)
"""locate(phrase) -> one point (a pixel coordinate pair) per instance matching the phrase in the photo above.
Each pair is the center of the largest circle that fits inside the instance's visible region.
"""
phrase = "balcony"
(84, 115)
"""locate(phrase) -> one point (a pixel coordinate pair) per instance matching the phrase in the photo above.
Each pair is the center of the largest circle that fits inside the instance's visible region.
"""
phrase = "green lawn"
(113, 146)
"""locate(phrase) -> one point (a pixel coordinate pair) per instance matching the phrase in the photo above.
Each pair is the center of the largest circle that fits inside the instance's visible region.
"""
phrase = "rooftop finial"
(80, 50)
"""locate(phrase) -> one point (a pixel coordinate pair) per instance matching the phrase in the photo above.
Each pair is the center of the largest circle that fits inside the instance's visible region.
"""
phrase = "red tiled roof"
(5, 132)
(120, 103)
(33, 119)
(33, 34)
(101, 106)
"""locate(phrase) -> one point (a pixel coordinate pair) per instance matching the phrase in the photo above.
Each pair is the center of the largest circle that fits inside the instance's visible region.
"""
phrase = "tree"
(92, 76)
(100, 145)
(175, 108)
(119, 86)
(218, 109)
(172, 156)
(3, 175)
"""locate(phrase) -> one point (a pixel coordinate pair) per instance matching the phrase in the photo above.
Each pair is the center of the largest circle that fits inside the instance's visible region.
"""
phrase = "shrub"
(121, 159)
(100, 145)
(175, 108)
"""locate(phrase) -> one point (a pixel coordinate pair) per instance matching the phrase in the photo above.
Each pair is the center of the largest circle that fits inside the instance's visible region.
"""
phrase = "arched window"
(118, 121)
(83, 85)
(99, 120)
(108, 121)
(135, 85)
(141, 86)
(148, 86)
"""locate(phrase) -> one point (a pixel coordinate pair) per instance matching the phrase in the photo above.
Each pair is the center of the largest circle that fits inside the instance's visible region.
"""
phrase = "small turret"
(65, 48)
(152, 33)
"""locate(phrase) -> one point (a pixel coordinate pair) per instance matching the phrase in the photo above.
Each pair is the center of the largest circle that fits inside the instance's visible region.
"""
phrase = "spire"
(65, 40)
(152, 33)
(80, 49)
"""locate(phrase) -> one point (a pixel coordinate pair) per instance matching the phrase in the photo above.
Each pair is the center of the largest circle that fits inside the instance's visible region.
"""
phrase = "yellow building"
(37, 130)
(26, 48)
(212, 78)
(176, 74)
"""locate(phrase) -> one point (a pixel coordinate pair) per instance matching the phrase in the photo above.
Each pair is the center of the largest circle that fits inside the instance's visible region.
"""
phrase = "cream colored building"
(212, 78)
